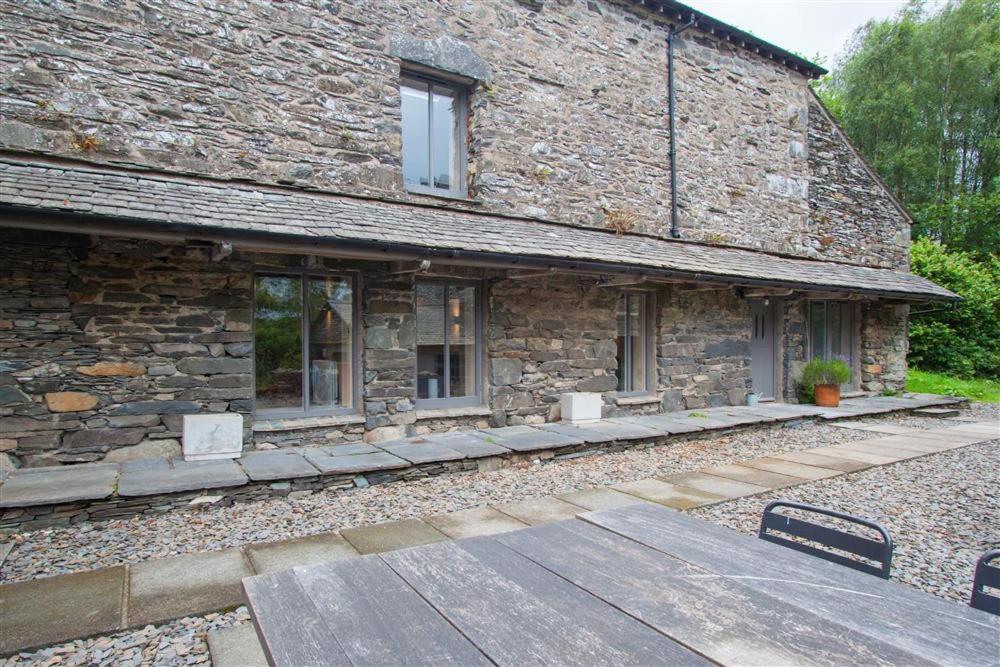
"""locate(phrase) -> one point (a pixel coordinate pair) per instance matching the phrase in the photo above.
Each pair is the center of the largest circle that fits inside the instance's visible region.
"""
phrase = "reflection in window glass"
(330, 342)
(416, 139)
(430, 340)
(432, 134)
(831, 333)
(631, 342)
(278, 342)
(461, 316)
(817, 329)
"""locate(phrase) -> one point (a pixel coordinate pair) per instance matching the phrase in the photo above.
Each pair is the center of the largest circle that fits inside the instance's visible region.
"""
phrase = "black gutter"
(96, 224)
(671, 112)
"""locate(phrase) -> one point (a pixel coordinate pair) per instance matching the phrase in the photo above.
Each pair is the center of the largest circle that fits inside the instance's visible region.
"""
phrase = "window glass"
(278, 342)
(831, 333)
(817, 329)
(331, 335)
(444, 152)
(631, 342)
(416, 139)
(430, 340)
(432, 134)
(461, 316)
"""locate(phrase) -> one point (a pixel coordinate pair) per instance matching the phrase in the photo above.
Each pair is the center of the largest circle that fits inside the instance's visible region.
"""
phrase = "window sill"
(299, 423)
(442, 413)
(645, 399)
(441, 194)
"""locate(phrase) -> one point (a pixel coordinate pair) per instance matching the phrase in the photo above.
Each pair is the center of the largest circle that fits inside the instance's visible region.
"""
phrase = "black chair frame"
(880, 552)
(987, 576)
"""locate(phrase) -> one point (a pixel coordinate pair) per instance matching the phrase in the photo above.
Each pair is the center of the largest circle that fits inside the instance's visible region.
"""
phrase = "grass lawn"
(987, 391)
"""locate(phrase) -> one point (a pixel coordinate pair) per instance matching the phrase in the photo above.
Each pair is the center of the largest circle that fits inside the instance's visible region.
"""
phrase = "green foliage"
(965, 341)
(935, 383)
(825, 371)
(919, 95)
(277, 346)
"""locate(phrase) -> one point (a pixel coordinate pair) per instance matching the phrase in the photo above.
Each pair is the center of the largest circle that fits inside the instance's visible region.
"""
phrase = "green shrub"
(825, 371)
(963, 341)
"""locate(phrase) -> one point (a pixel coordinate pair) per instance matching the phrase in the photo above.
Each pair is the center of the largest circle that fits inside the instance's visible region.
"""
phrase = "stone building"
(362, 221)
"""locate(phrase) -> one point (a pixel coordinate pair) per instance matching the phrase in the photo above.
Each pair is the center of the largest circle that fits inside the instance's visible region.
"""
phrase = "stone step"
(941, 413)
(237, 646)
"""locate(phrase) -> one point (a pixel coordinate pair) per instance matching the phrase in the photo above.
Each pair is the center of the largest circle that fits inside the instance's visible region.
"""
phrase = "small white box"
(580, 407)
(214, 436)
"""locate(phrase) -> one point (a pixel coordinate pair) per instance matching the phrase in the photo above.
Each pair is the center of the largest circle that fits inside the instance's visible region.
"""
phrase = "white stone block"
(580, 407)
(215, 436)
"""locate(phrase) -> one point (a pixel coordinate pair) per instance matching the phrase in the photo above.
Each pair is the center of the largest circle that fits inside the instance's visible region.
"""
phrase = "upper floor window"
(433, 136)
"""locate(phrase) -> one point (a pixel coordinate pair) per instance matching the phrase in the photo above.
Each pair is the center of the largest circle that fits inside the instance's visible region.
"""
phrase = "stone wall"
(568, 124)
(884, 346)
(851, 215)
(703, 348)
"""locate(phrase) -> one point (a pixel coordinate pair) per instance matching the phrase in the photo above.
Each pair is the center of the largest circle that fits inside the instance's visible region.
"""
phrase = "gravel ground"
(943, 512)
(91, 545)
(181, 642)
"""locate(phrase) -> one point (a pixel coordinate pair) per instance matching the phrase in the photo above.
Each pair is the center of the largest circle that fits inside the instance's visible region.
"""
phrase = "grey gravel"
(90, 545)
(943, 512)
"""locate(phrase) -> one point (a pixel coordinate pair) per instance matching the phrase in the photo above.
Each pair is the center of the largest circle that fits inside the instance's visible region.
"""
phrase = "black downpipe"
(671, 111)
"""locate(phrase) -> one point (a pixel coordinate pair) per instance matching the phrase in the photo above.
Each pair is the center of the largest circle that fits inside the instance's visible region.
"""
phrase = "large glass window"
(633, 342)
(831, 332)
(303, 344)
(448, 367)
(433, 136)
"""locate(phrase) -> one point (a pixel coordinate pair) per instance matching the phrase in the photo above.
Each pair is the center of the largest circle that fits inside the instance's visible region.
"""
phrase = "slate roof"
(226, 209)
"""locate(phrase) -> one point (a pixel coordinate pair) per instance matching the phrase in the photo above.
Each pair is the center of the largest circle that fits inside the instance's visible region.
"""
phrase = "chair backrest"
(774, 527)
(987, 576)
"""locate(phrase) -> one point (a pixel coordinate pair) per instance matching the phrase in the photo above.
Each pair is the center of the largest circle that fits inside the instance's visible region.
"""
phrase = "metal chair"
(773, 523)
(987, 576)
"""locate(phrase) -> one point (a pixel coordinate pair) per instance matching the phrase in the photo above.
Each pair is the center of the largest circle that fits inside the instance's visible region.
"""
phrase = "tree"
(919, 95)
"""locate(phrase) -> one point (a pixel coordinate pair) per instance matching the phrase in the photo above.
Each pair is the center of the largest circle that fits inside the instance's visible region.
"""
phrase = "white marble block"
(580, 407)
(214, 436)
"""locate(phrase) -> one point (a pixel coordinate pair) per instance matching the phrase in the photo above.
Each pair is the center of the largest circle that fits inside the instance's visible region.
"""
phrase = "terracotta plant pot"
(827, 395)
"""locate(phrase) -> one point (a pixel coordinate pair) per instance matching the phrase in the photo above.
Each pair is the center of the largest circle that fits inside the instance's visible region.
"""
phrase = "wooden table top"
(636, 585)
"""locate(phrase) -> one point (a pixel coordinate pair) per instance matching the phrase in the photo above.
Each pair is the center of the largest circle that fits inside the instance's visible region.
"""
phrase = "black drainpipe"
(672, 104)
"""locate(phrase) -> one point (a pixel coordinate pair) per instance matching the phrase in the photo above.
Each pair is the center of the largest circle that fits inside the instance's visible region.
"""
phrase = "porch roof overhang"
(92, 199)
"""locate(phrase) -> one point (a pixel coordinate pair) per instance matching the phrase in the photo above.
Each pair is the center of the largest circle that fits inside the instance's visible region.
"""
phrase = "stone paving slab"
(910, 443)
(765, 478)
(53, 485)
(474, 522)
(348, 450)
(331, 465)
(662, 425)
(285, 554)
(602, 431)
(420, 450)
(470, 444)
(892, 429)
(599, 499)
(155, 476)
(802, 470)
(391, 536)
(527, 439)
(271, 465)
(5, 549)
(55, 609)
(716, 419)
(536, 511)
(168, 588)
(718, 486)
(882, 449)
(665, 493)
(830, 461)
(863, 457)
(237, 646)
(786, 411)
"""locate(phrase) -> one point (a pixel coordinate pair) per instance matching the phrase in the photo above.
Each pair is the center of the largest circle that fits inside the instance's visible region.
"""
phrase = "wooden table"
(637, 585)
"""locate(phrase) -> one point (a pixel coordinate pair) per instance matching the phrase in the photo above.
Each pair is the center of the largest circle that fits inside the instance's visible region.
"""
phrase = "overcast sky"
(803, 26)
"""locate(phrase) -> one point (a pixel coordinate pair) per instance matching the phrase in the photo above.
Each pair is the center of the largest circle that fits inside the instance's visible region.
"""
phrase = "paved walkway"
(111, 486)
(55, 609)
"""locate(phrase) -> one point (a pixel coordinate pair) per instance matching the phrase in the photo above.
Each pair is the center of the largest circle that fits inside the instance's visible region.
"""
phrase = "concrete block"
(237, 646)
(579, 407)
(215, 436)
(474, 523)
(393, 535)
(286, 554)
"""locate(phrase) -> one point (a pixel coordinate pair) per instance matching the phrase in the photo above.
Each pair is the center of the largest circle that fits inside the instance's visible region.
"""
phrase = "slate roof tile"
(149, 198)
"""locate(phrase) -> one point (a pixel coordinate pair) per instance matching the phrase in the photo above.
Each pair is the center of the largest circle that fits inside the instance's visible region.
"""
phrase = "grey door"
(762, 349)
